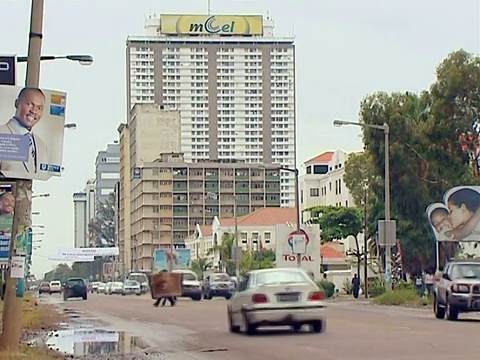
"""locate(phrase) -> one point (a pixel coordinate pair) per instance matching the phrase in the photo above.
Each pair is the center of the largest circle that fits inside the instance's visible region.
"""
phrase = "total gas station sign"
(305, 242)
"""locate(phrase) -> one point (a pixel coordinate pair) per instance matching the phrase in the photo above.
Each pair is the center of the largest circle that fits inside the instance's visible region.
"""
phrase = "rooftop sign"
(211, 25)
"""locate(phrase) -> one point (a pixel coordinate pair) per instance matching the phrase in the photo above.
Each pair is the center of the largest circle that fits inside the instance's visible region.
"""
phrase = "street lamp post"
(386, 130)
(297, 206)
(81, 59)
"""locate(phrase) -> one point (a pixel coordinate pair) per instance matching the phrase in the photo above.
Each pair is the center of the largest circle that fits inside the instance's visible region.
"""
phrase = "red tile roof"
(206, 230)
(323, 157)
(268, 216)
(328, 251)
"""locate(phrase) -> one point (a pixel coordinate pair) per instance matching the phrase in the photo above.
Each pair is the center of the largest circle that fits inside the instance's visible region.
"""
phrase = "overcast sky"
(345, 50)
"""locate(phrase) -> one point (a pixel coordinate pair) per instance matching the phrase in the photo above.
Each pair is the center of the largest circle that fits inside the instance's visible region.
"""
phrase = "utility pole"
(12, 309)
(365, 243)
(237, 261)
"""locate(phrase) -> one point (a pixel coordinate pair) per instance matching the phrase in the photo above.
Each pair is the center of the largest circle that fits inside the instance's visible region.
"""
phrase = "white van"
(141, 278)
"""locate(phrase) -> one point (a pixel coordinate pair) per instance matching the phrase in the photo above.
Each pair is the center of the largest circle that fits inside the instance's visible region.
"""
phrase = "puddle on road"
(88, 341)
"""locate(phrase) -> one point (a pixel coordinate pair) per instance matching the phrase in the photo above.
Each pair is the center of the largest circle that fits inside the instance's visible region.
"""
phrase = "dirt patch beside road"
(37, 320)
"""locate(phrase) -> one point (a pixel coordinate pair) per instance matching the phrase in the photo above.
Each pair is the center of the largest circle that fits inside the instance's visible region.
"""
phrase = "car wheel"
(318, 326)
(235, 329)
(296, 327)
(228, 297)
(197, 298)
(452, 312)
(138, 294)
(250, 329)
(438, 311)
(84, 297)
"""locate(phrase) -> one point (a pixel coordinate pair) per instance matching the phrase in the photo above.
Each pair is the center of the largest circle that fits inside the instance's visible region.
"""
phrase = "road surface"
(355, 330)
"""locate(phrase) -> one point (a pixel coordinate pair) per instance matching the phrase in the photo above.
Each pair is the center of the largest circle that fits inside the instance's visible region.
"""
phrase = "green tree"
(426, 156)
(198, 266)
(224, 250)
(337, 223)
(102, 227)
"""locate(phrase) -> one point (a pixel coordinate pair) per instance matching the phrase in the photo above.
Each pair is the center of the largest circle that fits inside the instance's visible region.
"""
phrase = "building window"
(309, 170)
(155, 172)
(320, 169)
(267, 237)
(155, 184)
(156, 209)
(314, 192)
(243, 237)
(339, 186)
(155, 196)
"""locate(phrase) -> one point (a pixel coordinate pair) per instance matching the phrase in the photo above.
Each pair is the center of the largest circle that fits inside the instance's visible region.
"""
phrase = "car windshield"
(141, 278)
(189, 277)
(131, 283)
(220, 277)
(45, 284)
(117, 284)
(73, 282)
(466, 271)
(281, 277)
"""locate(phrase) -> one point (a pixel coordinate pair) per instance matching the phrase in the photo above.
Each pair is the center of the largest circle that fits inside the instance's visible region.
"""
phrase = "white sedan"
(277, 297)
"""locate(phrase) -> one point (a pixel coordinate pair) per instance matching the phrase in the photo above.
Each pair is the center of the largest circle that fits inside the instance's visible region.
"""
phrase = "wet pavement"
(131, 328)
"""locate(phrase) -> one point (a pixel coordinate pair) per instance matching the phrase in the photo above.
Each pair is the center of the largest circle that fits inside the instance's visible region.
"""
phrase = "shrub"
(402, 285)
(347, 286)
(376, 288)
(401, 297)
(328, 287)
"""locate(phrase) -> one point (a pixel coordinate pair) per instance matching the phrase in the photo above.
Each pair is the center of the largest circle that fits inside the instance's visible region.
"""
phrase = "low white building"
(256, 232)
(322, 183)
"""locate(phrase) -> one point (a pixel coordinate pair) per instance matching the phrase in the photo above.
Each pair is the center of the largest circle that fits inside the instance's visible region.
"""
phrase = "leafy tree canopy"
(336, 223)
(102, 227)
(428, 153)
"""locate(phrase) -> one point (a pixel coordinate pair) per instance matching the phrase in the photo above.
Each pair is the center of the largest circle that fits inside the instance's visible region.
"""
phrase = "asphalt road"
(355, 330)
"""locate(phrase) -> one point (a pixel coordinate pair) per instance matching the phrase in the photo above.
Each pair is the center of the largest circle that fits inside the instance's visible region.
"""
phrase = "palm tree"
(224, 249)
(198, 266)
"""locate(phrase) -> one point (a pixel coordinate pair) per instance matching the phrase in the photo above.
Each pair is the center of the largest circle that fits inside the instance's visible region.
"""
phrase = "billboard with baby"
(457, 218)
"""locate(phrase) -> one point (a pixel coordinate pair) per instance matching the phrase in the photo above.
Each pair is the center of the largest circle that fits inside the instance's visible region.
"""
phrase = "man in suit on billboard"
(29, 107)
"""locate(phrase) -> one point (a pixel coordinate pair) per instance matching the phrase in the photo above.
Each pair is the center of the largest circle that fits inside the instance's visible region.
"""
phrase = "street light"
(386, 130)
(70, 126)
(82, 59)
(297, 205)
(40, 196)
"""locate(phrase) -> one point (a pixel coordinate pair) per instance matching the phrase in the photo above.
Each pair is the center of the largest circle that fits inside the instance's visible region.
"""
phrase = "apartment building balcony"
(242, 175)
(272, 188)
(272, 175)
(211, 174)
(195, 174)
(227, 175)
(242, 187)
(180, 174)
(180, 199)
(180, 211)
(180, 186)
(256, 175)
(165, 176)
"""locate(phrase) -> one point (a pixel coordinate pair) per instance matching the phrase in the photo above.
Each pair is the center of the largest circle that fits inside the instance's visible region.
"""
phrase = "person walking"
(355, 286)
(171, 299)
(429, 281)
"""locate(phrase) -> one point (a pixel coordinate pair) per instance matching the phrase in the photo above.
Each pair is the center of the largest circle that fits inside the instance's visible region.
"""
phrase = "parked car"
(44, 288)
(458, 289)
(218, 284)
(276, 297)
(131, 287)
(55, 287)
(114, 287)
(75, 288)
(101, 288)
(191, 286)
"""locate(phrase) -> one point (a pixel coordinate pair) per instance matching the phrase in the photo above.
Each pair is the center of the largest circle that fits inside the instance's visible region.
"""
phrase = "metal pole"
(365, 244)
(151, 248)
(170, 266)
(12, 310)
(388, 249)
(237, 262)
(297, 205)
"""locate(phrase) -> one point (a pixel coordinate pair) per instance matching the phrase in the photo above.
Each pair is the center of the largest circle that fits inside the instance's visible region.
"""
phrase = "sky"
(345, 51)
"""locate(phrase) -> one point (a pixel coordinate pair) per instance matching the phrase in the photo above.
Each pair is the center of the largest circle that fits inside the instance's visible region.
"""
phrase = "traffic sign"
(7, 70)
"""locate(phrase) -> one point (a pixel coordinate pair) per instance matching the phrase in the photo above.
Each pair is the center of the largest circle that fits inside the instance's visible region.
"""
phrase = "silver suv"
(458, 289)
